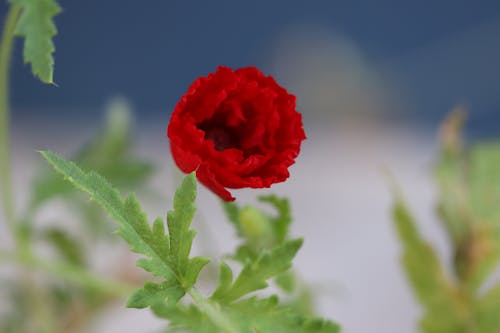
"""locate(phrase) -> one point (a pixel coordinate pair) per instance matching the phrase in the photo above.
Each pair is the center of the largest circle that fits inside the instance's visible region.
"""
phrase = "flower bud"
(254, 224)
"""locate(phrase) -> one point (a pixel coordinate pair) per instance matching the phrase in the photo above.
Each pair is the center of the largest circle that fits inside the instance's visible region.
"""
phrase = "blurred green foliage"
(468, 178)
(69, 306)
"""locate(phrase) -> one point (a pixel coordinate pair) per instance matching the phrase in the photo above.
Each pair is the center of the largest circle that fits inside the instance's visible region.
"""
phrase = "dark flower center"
(223, 137)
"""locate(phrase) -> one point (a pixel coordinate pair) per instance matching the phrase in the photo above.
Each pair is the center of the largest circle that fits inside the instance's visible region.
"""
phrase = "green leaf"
(37, 27)
(255, 274)
(133, 225)
(286, 281)
(155, 293)
(179, 222)
(441, 301)
(266, 316)
(224, 282)
(250, 315)
(166, 256)
(193, 269)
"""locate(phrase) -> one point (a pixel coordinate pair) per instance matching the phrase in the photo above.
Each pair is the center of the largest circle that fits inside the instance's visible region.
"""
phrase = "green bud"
(254, 224)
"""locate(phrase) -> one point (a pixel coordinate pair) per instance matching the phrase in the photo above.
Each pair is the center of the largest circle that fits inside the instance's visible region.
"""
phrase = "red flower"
(236, 129)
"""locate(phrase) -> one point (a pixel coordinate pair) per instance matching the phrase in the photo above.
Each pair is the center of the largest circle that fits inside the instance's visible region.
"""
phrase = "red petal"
(207, 178)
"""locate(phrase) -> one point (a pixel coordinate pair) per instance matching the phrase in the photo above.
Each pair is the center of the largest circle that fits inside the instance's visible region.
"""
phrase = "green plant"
(469, 184)
(60, 292)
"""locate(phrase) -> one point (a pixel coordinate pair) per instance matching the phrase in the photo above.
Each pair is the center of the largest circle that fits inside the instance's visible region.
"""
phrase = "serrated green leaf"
(250, 315)
(267, 316)
(184, 318)
(37, 27)
(155, 293)
(166, 256)
(255, 274)
(179, 222)
(132, 221)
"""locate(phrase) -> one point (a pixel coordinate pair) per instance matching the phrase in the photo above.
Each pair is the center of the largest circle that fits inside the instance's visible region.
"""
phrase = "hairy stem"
(70, 273)
(5, 163)
(213, 312)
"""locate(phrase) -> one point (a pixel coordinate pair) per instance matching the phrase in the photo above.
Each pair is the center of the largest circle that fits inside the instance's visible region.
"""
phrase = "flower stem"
(212, 311)
(70, 273)
(5, 164)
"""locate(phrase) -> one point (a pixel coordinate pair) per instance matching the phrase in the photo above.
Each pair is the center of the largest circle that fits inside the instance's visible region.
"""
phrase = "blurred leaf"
(232, 211)
(286, 281)
(469, 182)
(452, 205)
(484, 180)
(486, 310)
(282, 220)
(112, 142)
(47, 186)
(67, 247)
(450, 131)
(259, 230)
(450, 175)
(443, 305)
(37, 27)
(109, 154)
(93, 217)
(477, 255)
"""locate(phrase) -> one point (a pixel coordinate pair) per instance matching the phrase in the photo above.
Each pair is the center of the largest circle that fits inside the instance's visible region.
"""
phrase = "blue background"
(150, 51)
